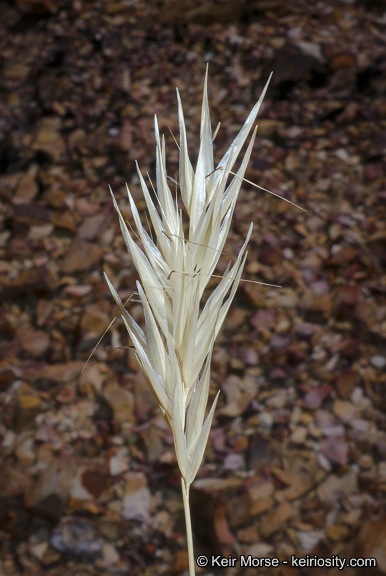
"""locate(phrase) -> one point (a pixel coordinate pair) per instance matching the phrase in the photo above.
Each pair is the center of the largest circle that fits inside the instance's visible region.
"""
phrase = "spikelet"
(176, 349)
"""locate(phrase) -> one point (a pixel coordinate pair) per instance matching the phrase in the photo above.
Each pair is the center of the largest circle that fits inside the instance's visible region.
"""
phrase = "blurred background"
(295, 463)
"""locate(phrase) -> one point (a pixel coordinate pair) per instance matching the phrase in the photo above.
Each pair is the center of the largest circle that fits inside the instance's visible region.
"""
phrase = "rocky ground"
(295, 463)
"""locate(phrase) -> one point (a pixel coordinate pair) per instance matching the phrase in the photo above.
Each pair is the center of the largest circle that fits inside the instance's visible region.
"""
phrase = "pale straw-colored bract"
(175, 350)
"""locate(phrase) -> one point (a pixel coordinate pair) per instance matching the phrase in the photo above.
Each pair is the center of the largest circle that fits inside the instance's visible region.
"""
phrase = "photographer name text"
(249, 561)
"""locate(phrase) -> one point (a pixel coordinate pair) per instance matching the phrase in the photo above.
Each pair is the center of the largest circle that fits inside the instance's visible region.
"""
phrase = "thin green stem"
(188, 522)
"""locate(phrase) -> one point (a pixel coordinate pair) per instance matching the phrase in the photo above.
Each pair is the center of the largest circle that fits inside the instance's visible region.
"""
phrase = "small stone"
(16, 70)
(27, 188)
(81, 256)
(49, 494)
(153, 443)
(238, 510)
(335, 449)
(344, 410)
(309, 539)
(48, 138)
(38, 550)
(366, 462)
(337, 533)
(94, 321)
(25, 452)
(65, 220)
(239, 393)
(110, 555)
(214, 486)
(276, 520)
(91, 227)
(345, 383)
(28, 406)
(260, 550)
(299, 435)
(66, 394)
(34, 342)
(261, 505)
(262, 489)
(373, 539)
(76, 536)
(378, 361)
(163, 522)
(118, 461)
(121, 401)
(136, 499)
(336, 487)
(88, 483)
(51, 556)
(248, 535)
(78, 291)
(278, 399)
(41, 231)
(234, 462)
(306, 418)
(315, 397)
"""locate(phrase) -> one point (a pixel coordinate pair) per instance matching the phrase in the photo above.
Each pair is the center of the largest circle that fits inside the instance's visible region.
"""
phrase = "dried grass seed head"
(176, 349)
